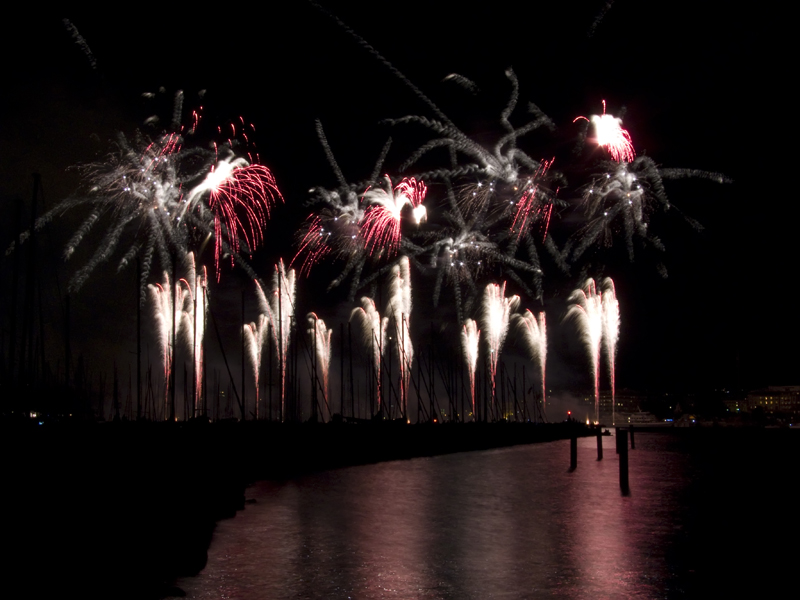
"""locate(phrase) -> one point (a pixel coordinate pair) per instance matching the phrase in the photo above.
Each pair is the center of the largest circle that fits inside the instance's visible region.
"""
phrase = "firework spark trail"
(587, 312)
(373, 332)
(534, 334)
(611, 324)
(194, 312)
(470, 342)
(161, 298)
(398, 310)
(320, 337)
(281, 310)
(380, 227)
(533, 203)
(255, 337)
(611, 136)
(497, 310)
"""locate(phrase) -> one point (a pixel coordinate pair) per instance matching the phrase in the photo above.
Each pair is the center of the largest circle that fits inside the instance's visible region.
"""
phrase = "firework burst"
(380, 228)
(164, 196)
(610, 135)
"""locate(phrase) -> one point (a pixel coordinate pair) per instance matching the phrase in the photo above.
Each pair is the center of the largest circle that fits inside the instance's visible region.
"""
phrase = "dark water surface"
(515, 523)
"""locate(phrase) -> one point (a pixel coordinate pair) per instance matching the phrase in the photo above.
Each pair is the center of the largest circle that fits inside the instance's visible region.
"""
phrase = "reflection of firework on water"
(587, 312)
(470, 338)
(398, 311)
(497, 310)
(611, 136)
(373, 332)
(380, 228)
(280, 309)
(320, 337)
(534, 334)
(611, 336)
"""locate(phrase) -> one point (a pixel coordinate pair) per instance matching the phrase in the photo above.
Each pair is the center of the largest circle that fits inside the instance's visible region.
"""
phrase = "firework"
(497, 310)
(321, 342)
(533, 204)
(165, 196)
(587, 312)
(534, 336)
(280, 309)
(380, 227)
(610, 307)
(241, 197)
(470, 338)
(162, 299)
(334, 229)
(193, 322)
(398, 311)
(255, 337)
(373, 332)
(611, 136)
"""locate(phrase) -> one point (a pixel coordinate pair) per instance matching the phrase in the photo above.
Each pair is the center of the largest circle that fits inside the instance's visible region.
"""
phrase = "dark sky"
(704, 87)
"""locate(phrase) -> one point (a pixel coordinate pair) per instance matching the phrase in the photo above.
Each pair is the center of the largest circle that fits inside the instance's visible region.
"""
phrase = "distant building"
(628, 402)
(775, 400)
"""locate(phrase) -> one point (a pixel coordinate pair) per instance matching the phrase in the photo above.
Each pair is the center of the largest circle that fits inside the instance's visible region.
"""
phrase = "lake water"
(516, 523)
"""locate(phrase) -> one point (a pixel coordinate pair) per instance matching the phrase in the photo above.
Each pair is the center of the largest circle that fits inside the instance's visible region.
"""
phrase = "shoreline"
(123, 509)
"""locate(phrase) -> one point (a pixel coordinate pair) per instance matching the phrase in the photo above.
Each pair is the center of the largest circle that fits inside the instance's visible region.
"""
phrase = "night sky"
(703, 87)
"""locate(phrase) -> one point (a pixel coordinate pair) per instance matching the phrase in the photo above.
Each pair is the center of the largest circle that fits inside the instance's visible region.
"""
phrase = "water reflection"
(508, 523)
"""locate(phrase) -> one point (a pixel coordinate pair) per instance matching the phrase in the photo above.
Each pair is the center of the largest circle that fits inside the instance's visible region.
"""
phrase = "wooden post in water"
(633, 445)
(599, 443)
(622, 447)
(573, 451)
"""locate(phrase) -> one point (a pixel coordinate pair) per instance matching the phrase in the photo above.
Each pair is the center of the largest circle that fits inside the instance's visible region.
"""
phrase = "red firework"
(241, 196)
(381, 225)
(530, 207)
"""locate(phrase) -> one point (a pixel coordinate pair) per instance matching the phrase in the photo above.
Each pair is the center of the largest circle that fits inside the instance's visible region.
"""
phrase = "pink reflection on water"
(508, 523)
